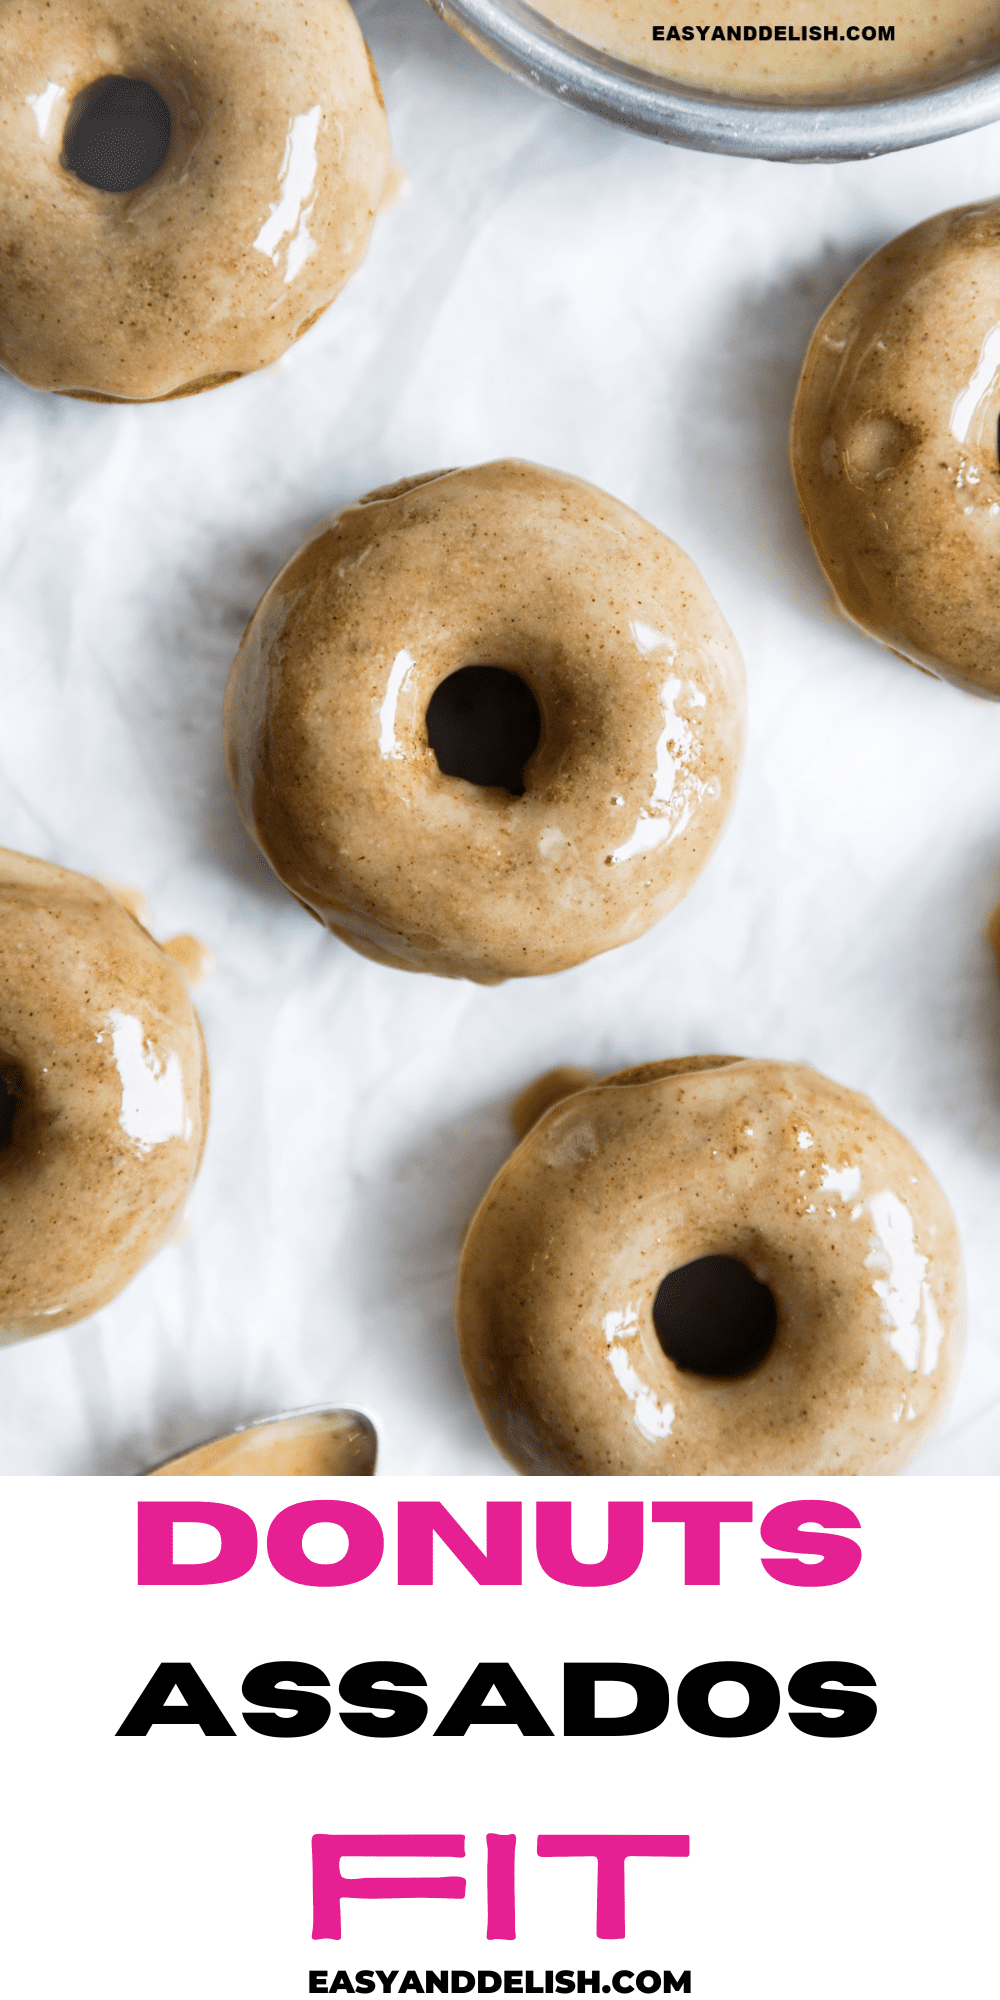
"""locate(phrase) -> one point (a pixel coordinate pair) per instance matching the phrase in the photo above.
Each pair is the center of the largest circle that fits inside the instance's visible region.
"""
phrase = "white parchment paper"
(554, 288)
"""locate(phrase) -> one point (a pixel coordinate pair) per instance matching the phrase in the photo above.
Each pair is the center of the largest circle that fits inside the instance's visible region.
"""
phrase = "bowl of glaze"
(318, 1442)
(764, 97)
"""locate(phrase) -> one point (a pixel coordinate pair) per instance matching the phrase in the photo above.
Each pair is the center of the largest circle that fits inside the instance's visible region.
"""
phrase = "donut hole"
(9, 1101)
(483, 724)
(117, 134)
(713, 1317)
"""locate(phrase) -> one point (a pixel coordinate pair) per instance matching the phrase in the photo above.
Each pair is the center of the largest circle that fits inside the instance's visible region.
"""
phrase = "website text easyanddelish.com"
(784, 33)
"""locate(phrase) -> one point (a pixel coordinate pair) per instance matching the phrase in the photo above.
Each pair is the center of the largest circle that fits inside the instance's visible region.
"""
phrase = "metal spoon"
(312, 1443)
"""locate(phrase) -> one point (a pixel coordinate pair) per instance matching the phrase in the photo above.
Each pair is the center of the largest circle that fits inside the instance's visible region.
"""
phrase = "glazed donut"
(314, 1444)
(895, 446)
(276, 154)
(761, 1225)
(104, 1098)
(486, 723)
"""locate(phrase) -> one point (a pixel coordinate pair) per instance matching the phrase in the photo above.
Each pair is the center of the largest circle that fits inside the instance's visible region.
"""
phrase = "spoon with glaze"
(312, 1443)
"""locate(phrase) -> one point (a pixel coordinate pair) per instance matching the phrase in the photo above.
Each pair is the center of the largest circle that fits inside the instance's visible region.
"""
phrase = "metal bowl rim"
(556, 63)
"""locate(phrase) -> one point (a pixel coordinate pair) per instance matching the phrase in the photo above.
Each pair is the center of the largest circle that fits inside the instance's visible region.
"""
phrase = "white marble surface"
(553, 288)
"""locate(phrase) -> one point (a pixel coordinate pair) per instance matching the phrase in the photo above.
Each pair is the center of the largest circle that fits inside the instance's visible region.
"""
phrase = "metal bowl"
(554, 62)
(318, 1442)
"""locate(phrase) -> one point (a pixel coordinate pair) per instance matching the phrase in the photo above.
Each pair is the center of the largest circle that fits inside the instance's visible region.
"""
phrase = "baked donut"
(320, 1443)
(486, 722)
(103, 1096)
(711, 1266)
(895, 446)
(265, 125)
